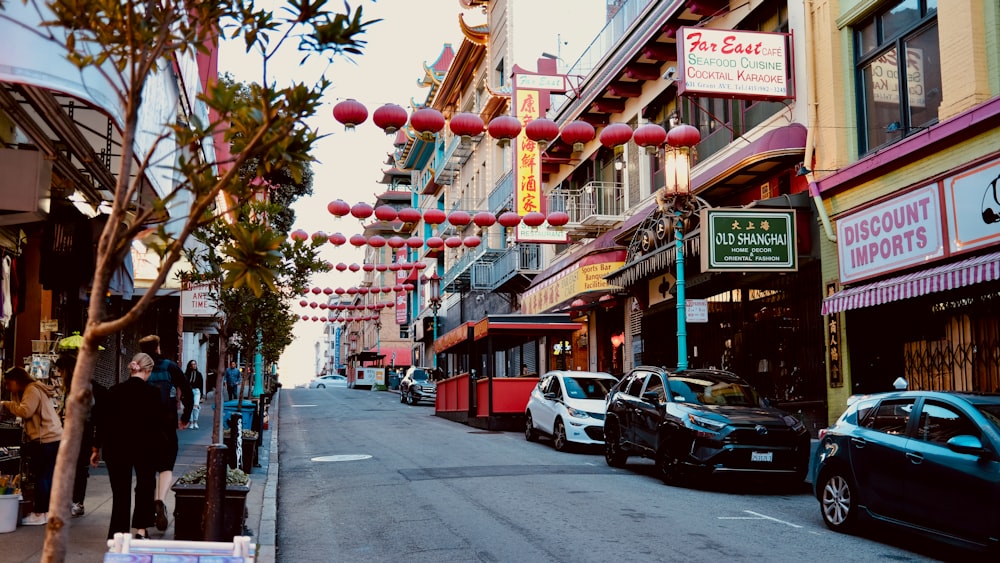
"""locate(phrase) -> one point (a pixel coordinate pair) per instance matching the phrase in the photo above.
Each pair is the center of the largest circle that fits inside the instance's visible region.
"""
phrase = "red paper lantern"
(503, 128)
(354, 267)
(396, 241)
(305, 317)
(395, 267)
(327, 291)
(338, 207)
(650, 136)
(316, 290)
(358, 240)
(408, 215)
(314, 319)
(415, 242)
(350, 113)
(319, 237)
(398, 288)
(509, 219)
(419, 265)
(453, 242)
(427, 122)
(368, 267)
(352, 291)
(683, 135)
(376, 241)
(578, 132)
(459, 218)
(340, 290)
(558, 218)
(303, 303)
(337, 239)
(362, 210)
(299, 235)
(484, 219)
(466, 125)
(390, 118)
(616, 134)
(341, 267)
(363, 290)
(533, 219)
(408, 286)
(385, 213)
(472, 241)
(322, 305)
(382, 267)
(435, 242)
(313, 305)
(327, 265)
(541, 130)
(434, 217)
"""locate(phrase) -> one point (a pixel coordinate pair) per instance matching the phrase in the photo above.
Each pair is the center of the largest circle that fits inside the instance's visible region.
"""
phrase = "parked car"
(701, 421)
(417, 385)
(928, 461)
(569, 407)
(324, 381)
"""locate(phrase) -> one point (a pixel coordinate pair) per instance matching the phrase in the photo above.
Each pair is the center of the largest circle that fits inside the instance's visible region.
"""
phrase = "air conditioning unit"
(25, 176)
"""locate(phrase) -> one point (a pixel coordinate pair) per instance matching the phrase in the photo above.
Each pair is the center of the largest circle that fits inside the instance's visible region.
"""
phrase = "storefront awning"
(932, 280)
(507, 325)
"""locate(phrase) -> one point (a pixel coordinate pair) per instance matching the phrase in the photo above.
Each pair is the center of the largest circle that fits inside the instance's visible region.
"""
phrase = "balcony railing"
(502, 196)
(596, 204)
(523, 259)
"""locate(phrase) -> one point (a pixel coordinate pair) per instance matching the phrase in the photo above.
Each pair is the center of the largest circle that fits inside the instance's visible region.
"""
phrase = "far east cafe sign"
(531, 101)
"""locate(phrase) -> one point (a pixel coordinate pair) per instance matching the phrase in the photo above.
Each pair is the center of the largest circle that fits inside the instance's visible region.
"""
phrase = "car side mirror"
(966, 444)
(651, 397)
(551, 396)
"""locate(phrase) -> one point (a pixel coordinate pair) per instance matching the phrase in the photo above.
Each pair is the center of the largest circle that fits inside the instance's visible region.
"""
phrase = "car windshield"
(419, 375)
(587, 387)
(992, 414)
(707, 390)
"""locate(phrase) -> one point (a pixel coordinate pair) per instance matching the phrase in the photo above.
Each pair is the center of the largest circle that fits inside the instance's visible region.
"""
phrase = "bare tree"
(127, 43)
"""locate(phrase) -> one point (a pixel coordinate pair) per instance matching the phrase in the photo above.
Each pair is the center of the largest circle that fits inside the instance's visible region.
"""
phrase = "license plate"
(765, 457)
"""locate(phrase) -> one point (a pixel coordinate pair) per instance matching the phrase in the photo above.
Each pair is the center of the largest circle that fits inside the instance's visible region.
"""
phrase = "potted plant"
(250, 441)
(189, 503)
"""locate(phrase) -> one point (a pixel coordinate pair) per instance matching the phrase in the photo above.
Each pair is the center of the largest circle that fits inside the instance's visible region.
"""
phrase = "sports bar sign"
(735, 64)
(748, 240)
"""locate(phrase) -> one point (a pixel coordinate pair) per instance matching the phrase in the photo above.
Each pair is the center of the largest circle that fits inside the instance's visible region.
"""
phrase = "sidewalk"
(88, 533)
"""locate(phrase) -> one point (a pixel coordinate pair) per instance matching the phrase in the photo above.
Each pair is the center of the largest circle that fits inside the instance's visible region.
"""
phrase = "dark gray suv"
(417, 385)
(701, 421)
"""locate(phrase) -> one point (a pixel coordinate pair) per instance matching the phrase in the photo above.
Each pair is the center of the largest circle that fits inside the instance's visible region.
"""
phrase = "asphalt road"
(365, 478)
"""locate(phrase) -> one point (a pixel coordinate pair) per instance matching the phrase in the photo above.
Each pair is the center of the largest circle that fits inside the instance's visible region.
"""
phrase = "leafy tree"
(127, 42)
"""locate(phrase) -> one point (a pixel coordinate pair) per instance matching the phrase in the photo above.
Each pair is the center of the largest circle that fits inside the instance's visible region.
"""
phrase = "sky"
(412, 33)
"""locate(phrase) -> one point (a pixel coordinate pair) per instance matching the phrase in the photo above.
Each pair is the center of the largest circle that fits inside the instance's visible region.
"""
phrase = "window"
(891, 416)
(940, 423)
(655, 385)
(635, 382)
(898, 73)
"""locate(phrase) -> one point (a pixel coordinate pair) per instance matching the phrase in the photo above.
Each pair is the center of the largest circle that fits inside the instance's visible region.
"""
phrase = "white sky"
(412, 33)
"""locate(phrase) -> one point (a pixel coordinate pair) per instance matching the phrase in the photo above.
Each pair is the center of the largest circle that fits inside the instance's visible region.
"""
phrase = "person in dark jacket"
(130, 437)
(169, 380)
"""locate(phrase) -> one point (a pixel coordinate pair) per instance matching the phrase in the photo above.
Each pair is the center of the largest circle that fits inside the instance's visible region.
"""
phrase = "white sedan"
(569, 407)
(324, 381)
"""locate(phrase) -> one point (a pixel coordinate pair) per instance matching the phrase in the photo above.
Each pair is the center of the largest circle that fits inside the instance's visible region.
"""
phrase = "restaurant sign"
(748, 240)
(735, 64)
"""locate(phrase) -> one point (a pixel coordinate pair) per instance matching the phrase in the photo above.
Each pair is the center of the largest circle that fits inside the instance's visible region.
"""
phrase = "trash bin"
(9, 509)
(393, 381)
(229, 408)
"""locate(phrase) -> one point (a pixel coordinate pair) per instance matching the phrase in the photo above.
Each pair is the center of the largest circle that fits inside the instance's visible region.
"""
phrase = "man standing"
(233, 378)
(169, 380)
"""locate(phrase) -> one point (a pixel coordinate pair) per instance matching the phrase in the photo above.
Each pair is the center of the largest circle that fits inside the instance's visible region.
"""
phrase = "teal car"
(927, 461)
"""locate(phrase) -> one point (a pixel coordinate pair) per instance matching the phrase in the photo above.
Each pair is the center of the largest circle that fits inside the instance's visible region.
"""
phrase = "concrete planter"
(189, 506)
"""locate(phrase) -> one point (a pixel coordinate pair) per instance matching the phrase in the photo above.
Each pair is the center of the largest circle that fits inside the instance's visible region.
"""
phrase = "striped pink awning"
(941, 278)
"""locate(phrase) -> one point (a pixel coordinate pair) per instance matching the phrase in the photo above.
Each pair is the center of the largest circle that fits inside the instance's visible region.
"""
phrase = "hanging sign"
(748, 240)
(735, 64)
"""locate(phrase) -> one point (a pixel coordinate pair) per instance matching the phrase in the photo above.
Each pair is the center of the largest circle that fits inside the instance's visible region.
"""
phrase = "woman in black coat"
(130, 438)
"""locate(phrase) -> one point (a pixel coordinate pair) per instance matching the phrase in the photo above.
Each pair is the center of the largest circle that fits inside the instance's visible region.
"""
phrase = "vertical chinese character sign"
(528, 164)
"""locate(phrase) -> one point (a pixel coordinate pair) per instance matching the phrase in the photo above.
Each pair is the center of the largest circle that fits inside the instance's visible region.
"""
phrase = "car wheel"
(411, 400)
(321, 386)
(559, 440)
(667, 466)
(529, 429)
(402, 396)
(613, 453)
(838, 501)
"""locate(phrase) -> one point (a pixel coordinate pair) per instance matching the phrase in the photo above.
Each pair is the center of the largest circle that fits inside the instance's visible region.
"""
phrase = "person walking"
(131, 438)
(65, 364)
(32, 401)
(197, 382)
(233, 378)
(169, 380)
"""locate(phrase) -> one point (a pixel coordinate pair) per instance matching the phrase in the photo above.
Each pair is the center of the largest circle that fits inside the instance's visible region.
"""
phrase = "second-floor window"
(898, 72)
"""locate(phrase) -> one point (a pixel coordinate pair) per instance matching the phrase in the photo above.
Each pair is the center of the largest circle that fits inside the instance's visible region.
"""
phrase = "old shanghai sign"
(735, 64)
(748, 240)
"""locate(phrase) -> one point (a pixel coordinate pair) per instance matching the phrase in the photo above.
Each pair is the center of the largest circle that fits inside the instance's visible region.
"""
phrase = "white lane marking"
(294, 406)
(342, 457)
(764, 516)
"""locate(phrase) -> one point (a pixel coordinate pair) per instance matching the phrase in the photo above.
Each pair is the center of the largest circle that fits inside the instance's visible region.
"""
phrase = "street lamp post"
(434, 282)
(680, 203)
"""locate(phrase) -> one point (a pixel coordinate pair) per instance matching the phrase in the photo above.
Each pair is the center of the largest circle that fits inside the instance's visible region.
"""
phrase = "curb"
(266, 532)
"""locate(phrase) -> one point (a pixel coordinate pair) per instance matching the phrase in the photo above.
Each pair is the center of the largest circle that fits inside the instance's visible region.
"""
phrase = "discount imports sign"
(748, 240)
(724, 62)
